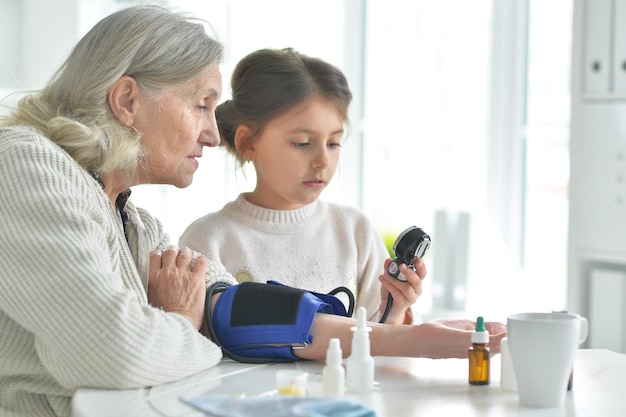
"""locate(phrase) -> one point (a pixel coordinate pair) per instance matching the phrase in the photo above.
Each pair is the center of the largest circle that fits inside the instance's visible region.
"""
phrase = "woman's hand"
(404, 293)
(176, 283)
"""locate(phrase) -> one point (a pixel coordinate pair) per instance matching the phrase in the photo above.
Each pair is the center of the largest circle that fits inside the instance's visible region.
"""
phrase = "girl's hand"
(404, 293)
(497, 331)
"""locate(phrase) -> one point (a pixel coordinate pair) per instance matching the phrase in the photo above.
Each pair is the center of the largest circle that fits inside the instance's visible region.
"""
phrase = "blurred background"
(460, 125)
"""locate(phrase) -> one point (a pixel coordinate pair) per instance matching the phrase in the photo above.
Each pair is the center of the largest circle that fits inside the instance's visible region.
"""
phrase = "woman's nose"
(210, 135)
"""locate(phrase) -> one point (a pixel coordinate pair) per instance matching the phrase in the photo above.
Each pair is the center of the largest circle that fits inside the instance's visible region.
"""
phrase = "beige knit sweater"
(73, 305)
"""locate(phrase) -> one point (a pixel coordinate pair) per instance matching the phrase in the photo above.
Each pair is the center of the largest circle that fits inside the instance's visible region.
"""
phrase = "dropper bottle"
(360, 364)
(333, 374)
(479, 355)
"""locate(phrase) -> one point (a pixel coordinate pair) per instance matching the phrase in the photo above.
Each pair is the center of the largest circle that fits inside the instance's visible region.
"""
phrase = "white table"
(404, 387)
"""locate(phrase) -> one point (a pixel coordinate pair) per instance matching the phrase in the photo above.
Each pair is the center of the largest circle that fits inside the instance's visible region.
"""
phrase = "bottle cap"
(361, 321)
(480, 335)
(333, 354)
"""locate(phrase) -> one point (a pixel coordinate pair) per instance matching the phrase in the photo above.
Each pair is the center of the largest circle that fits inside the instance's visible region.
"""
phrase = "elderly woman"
(93, 295)
(84, 302)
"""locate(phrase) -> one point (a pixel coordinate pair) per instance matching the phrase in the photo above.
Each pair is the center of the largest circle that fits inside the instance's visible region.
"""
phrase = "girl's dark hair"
(268, 82)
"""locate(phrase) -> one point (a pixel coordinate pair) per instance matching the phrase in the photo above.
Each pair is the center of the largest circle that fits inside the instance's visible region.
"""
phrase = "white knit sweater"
(318, 247)
(73, 305)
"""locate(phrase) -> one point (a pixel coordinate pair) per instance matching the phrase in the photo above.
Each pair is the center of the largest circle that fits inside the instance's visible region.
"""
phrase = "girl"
(287, 117)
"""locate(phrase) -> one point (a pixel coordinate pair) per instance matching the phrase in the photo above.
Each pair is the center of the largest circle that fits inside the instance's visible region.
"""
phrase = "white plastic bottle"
(360, 364)
(333, 374)
(507, 373)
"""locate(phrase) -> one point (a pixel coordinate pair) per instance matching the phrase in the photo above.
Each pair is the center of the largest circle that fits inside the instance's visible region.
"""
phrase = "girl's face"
(176, 127)
(296, 155)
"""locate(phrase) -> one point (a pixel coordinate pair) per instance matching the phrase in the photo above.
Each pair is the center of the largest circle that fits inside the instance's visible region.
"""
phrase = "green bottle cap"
(480, 324)
(480, 335)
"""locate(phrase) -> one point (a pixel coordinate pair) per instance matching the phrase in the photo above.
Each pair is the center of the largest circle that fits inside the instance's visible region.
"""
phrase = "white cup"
(543, 347)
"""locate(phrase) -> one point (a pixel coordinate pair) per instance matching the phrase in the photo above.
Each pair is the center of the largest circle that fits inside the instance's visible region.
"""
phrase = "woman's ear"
(123, 100)
(244, 142)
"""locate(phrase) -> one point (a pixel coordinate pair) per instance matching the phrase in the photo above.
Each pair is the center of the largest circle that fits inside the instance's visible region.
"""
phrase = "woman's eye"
(300, 144)
(334, 145)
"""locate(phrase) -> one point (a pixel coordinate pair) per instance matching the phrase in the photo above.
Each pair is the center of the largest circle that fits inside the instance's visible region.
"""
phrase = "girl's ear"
(123, 100)
(244, 143)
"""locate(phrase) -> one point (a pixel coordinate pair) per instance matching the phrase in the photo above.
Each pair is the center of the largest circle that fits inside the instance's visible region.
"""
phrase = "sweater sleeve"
(371, 258)
(70, 283)
(157, 239)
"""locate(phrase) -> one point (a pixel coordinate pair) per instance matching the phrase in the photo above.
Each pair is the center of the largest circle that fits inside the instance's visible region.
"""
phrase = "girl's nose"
(321, 160)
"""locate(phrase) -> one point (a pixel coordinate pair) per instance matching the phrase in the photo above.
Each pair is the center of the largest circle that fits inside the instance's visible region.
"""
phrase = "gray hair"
(159, 48)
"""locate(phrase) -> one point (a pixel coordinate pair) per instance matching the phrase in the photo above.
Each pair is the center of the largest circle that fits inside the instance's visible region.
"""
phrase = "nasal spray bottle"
(333, 374)
(479, 355)
(360, 364)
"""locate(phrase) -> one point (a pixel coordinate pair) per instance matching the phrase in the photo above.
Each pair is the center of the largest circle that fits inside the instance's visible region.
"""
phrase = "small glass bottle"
(479, 355)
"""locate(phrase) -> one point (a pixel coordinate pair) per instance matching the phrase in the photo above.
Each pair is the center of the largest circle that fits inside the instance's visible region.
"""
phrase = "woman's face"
(296, 155)
(176, 127)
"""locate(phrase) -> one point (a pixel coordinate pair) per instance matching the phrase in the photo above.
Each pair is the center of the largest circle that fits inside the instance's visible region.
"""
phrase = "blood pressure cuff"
(255, 322)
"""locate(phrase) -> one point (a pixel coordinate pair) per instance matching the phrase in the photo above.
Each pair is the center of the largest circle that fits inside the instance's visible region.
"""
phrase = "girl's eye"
(334, 145)
(300, 144)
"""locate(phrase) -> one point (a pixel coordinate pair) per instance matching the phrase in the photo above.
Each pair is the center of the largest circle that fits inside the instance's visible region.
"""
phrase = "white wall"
(35, 37)
(597, 228)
